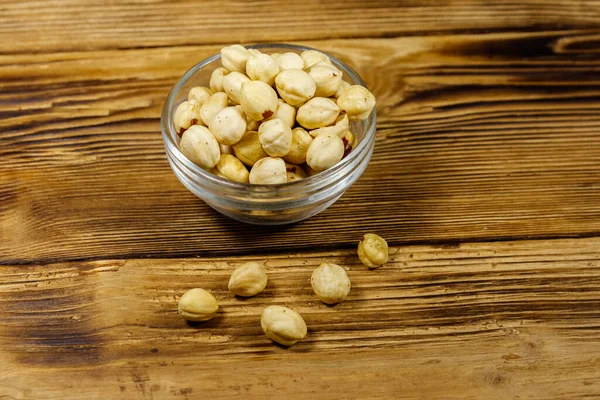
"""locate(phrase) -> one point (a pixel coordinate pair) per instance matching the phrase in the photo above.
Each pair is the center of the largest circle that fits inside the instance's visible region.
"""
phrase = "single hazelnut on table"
(295, 86)
(248, 150)
(373, 250)
(258, 99)
(234, 58)
(275, 137)
(283, 325)
(330, 283)
(197, 305)
(325, 151)
(248, 279)
(268, 171)
(317, 113)
(199, 145)
(228, 125)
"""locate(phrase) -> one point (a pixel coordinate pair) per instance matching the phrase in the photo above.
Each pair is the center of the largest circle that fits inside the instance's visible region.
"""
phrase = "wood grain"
(483, 320)
(70, 25)
(480, 137)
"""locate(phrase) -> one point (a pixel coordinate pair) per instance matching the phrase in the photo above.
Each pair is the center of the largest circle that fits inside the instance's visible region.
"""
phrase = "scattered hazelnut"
(248, 279)
(330, 283)
(373, 250)
(283, 325)
(197, 305)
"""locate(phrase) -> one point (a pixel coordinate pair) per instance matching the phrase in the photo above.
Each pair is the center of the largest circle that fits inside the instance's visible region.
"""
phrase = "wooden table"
(485, 181)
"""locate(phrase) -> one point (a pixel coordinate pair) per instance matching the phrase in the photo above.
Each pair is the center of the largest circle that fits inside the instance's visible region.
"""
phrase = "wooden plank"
(480, 137)
(70, 25)
(483, 320)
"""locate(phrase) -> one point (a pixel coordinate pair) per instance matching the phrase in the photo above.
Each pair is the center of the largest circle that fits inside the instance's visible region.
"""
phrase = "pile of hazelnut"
(285, 116)
(329, 282)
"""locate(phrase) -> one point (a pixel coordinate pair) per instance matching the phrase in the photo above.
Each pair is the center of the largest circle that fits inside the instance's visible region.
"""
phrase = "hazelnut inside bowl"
(265, 204)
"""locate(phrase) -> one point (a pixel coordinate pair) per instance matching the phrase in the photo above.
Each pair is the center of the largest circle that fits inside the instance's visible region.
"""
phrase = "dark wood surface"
(486, 171)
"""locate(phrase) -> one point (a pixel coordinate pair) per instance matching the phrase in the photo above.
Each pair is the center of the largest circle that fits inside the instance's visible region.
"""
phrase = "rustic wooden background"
(485, 180)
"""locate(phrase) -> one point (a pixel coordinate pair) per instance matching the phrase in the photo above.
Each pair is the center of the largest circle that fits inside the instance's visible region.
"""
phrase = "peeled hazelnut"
(285, 112)
(340, 127)
(373, 250)
(330, 283)
(212, 106)
(232, 84)
(275, 137)
(295, 86)
(248, 150)
(336, 130)
(325, 151)
(216, 79)
(252, 125)
(343, 121)
(235, 57)
(248, 279)
(311, 57)
(357, 102)
(231, 168)
(289, 61)
(343, 86)
(275, 56)
(228, 125)
(317, 113)
(258, 100)
(283, 325)
(200, 146)
(309, 171)
(301, 140)
(200, 94)
(349, 140)
(294, 172)
(327, 79)
(197, 305)
(268, 171)
(261, 67)
(226, 149)
(186, 114)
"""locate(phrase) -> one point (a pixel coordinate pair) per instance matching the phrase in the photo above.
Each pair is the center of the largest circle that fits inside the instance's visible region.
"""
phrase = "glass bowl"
(265, 204)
